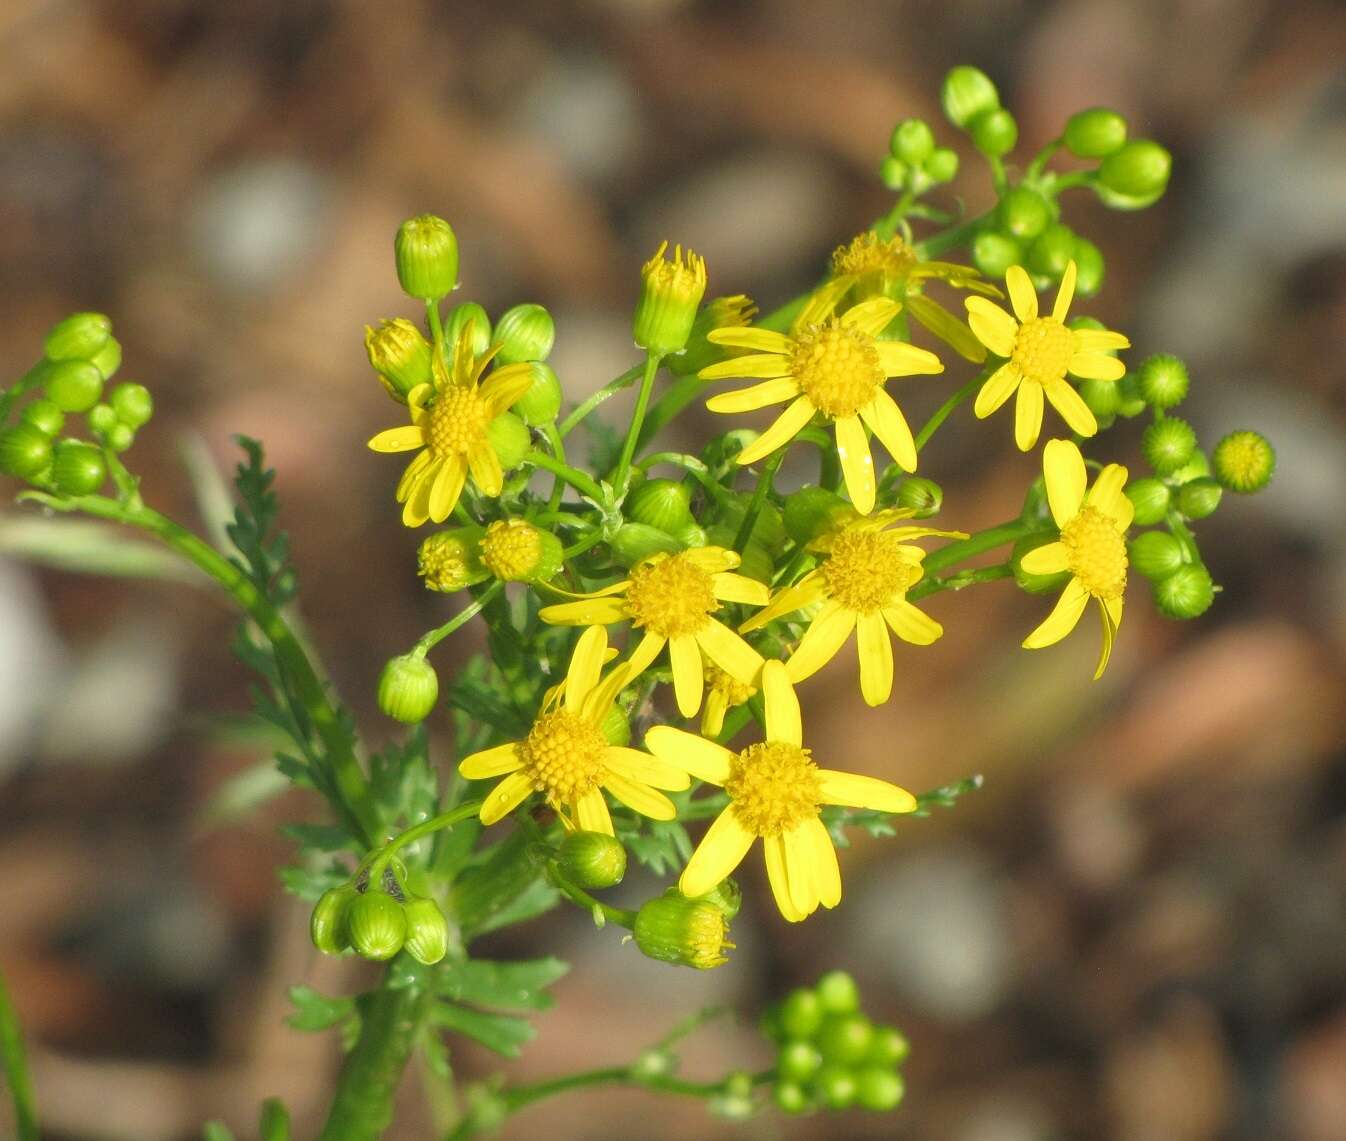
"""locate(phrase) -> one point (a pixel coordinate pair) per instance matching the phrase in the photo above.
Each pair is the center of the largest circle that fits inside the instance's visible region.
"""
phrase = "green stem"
(16, 1068)
(936, 244)
(559, 451)
(671, 401)
(594, 399)
(436, 330)
(580, 897)
(432, 639)
(961, 579)
(383, 856)
(573, 476)
(623, 468)
(759, 494)
(943, 412)
(967, 548)
(1041, 159)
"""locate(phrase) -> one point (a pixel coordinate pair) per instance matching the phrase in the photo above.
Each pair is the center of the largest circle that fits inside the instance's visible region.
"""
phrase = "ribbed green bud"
(912, 141)
(1025, 213)
(811, 511)
(1163, 380)
(1151, 498)
(132, 403)
(994, 251)
(635, 541)
(1187, 593)
(889, 1047)
(1137, 172)
(1133, 403)
(102, 419)
(661, 503)
(24, 451)
(1155, 554)
(878, 1089)
(1244, 461)
(686, 932)
(510, 438)
(692, 535)
(516, 551)
(427, 939)
(541, 403)
(616, 726)
(328, 927)
(400, 355)
(1194, 468)
(592, 859)
(120, 437)
(1089, 268)
(377, 925)
(449, 561)
(426, 253)
(458, 318)
(733, 312)
(81, 336)
(78, 468)
(995, 133)
(838, 993)
(726, 895)
(1052, 250)
(43, 415)
(893, 172)
(524, 333)
(108, 359)
(408, 689)
(1035, 583)
(1168, 444)
(1103, 397)
(74, 386)
(671, 289)
(924, 496)
(1198, 498)
(966, 93)
(1095, 133)
(942, 165)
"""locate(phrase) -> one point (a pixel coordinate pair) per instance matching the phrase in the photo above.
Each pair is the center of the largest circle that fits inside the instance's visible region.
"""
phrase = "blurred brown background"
(1137, 931)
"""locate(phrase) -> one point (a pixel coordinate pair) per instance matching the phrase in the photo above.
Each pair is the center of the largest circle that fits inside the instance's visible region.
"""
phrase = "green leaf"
(91, 548)
(436, 1056)
(314, 1011)
(536, 899)
(310, 883)
(216, 1131)
(662, 846)
(502, 1033)
(321, 837)
(16, 1068)
(275, 1123)
(605, 444)
(482, 704)
(511, 986)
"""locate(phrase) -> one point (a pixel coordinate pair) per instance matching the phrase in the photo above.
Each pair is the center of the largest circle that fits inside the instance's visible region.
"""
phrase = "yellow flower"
(1040, 352)
(672, 598)
(724, 692)
(1092, 546)
(566, 757)
(862, 584)
(449, 422)
(776, 792)
(836, 366)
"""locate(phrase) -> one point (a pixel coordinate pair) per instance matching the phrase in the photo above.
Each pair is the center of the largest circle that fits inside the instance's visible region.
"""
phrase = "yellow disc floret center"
(837, 367)
(1042, 349)
(563, 756)
(891, 258)
(670, 596)
(511, 548)
(773, 787)
(456, 422)
(1096, 553)
(735, 692)
(868, 570)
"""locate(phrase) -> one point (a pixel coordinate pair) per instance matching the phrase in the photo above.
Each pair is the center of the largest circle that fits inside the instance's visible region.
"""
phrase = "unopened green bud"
(942, 165)
(1025, 213)
(516, 551)
(734, 312)
(1052, 250)
(616, 726)
(510, 438)
(889, 1047)
(592, 859)
(43, 415)
(726, 895)
(687, 932)
(1133, 403)
(633, 542)
(790, 1097)
(1187, 593)
(1103, 397)
(994, 133)
(812, 511)
(328, 925)
(1163, 380)
(1194, 468)
(108, 359)
(838, 993)
(662, 503)
(132, 403)
(1244, 461)
(449, 561)
(837, 1087)
(994, 251)
(912, 141)
(1168, 444)
(427, 938)
(1089, 268)
(798, 1061)
(924, 496)
(691, 536)
(671, 289)
(25, 450)
(893, 172)
(120, 437)
(801, 1014)
(524, 333)
(74, 385)
(1198, 498)
(102, 419)
(426, 254)
(1151, 499)
(1137, 171)
(1095, 133)
(1035, 583)
(459, 316)
(377, 925)
(967, 92)
(844, 1039)
(878, 1089)
(81, 336)
(78, 468)
(408, 689)
(1155, 554)
(540, 404)
(400, 355)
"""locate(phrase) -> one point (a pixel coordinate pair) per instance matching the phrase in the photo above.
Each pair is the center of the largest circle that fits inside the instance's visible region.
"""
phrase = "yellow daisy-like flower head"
(1092, 546)
(566, 757)
(673, 598)
(835, 366)
(776, 793)
(448, 424)
(723, 692)
(862, 584)
(1040, 351)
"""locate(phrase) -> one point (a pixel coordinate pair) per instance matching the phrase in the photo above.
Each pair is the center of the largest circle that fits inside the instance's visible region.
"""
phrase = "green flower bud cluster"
(830, 1055)
(377, 922)
(913, 161)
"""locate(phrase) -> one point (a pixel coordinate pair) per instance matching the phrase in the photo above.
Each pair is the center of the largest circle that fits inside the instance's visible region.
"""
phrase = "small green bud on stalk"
(798, 1061)
(1199, 498)
(995, 133)
(661, 503)
(693, 535)
(408, 689)
(893, 172)
(524, 333)
(790, 1098)
(425, 251)
(671, 290)
(633, 542)
(889, 1047)
(81, 336)
(459, 316)
(993, 252)
(686, 932)
(510, 438)
(1103, 397)
(942, 165)
(1095, 133)
(120, 437)
(74, 386)
(1052, 250)
(541, 403)
(427, 939)
(1133, 403)
(1187, 593)
(78, 468)
(616, 727)
(879, 1090)
(1025, 213)
(912, 141)
(1035, 583)
(967, 92)
(400, 356)
(43, 415)
(1155, 554)
(838, 993)
(102, 419)
(836, 1086)
(377, 925)
(449, 561)
(1136, 171)
(1168, 444)
(844, 1039)
(592, 859)
(132, 403)
(25, 451)
(1194, 468)
(328, 924)
(1089, 268)
(1151, 499)
(1163, 380)
(1244, 461)
(801, 1014)
(108, 359)
(924, 496)
(811, 511)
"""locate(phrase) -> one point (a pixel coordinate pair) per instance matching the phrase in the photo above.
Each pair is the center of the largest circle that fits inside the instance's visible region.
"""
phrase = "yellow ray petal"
(505, 797)
(486, 470)
(1066, 294)
(993, 327)
(764, 365)
(776, 391)
(1098, 340)
(403, 439)
(783, 719)
(1063, 473)
(712, 560)
(721, 850)
(1028, 415)
(1109, 496)
(762, 340)
(826, 634)
(999, 387)
(885, 418)
(1095, 366)
(689, 681)
(824, 300)
(505, 386)
(851, 790)
(946, 327)
(1051, 558)
(799, 871)
(1109, 636)
(586, 612)
(786, 427)
(912, 624)
(876, 658)
(645, 652)
(591, 812)
(705, 760)
(446, 489)
(586, 663)
(1061, 621)
(823, 859)
(416, 510)
(642, 767)
(1023, 296)
(805, 592)
(897, 358)
(414, 470)
(857, 463)
(640, 797)
(729, 587)
(601, 697)
(491, 762)
(871, 316)
(774, 850)
(1074, 411)
(730, 652)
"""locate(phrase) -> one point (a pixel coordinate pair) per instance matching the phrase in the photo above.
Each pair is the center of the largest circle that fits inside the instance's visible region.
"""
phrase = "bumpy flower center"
(1042, 349)
(773, 787)
(443, 563)
(670, 597)
(868, 570)
(1096, 552)
(563, 756)
(511, 548)
(837, 367)
(457, 421)
(735, 692)
(891, 258)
